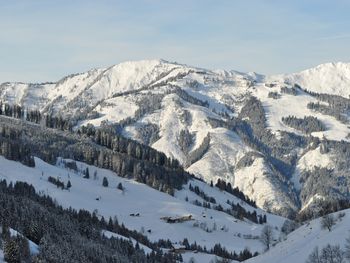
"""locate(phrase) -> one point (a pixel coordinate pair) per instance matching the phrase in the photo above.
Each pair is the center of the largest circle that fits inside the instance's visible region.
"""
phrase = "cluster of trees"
(334, 101)
(108, 138)
(322, 208)
(289, 226)
(198, 153)
(254, 111)
(15, 247)
(150, 102)
(202, 194)
(187, 97)
(328, 110)
(220, 251)
(100, 148)
(308, 124)
(239, 212)
(147, 133)
(59, 183)
(58, 122)
(291, 91)
(33, 116)
(18, 112)
(333, 183)
(11, 148)
(146, 104)
(222, 185)
(14, 111)
(319, 180)
(206, 205)
(329, 254)
(236, 210)
(248, 159)
(185, 140)
(337, 106)
(67, 235)
(277, 151)
(251, 127)
(274, 95)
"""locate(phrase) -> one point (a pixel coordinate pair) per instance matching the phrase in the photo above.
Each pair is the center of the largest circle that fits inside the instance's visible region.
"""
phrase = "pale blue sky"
(43, 40)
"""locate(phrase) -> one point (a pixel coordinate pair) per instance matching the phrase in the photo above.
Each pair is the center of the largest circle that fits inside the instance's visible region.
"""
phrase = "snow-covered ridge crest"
(331, 78)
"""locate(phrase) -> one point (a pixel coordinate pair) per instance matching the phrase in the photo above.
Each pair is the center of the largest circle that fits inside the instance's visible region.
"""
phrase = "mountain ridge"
(195, 115)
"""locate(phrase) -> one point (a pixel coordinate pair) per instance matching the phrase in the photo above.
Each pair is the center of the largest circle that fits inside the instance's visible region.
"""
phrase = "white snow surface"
(331, 78)
(201, 258)
(150, 203)
(300, 243)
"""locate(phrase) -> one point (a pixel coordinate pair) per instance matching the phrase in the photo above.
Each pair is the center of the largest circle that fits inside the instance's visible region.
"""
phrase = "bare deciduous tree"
(328, 222)
(266, 236)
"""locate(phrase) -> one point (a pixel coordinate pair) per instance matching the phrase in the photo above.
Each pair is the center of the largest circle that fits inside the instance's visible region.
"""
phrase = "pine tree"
(105, 182)
(120, 187)
(69, 184)
(87, 173)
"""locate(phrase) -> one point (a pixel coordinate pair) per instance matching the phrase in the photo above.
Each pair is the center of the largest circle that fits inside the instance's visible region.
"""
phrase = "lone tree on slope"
(328, 222)
(105, 182)
(266, 236)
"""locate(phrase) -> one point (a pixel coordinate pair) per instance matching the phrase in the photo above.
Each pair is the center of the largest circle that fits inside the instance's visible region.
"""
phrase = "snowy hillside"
(2, 256)
(299, 244)
(202, 117)
(207, 226)
(330, 78)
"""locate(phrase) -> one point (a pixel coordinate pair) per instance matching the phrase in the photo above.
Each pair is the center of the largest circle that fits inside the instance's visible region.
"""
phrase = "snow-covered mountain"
(330, 78)
(202, 118)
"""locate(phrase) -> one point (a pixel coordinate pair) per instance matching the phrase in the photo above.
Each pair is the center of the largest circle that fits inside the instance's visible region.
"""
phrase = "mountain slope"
(299, 244)
(330, 78)
(207, 226)
(195, 115)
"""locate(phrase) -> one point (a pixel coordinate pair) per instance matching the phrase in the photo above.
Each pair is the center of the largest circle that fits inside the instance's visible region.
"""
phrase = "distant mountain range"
(282, 140)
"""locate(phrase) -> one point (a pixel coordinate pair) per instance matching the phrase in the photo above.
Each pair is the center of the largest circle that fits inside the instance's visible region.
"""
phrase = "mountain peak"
(332, 78)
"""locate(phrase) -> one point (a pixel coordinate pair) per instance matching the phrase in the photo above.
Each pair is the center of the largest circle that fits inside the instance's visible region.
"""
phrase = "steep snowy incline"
(299, 244)
(330, 78)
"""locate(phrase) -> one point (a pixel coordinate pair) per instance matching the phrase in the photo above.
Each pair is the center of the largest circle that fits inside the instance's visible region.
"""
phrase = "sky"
(44, 40)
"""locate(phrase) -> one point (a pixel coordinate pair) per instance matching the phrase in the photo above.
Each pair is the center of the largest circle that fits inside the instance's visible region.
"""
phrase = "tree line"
(66, 235)
(101, 148)
(18, 112)
(307, 125)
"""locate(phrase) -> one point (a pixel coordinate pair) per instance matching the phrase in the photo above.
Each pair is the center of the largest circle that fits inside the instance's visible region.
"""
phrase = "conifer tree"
(105, 182)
